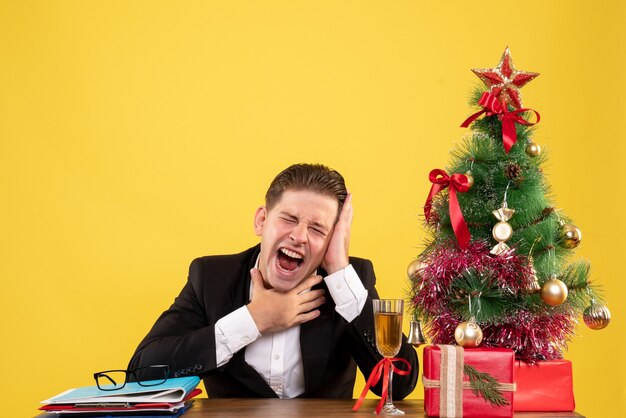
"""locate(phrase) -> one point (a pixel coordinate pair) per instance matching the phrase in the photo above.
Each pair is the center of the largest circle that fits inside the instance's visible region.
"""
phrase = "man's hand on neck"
(274, 311)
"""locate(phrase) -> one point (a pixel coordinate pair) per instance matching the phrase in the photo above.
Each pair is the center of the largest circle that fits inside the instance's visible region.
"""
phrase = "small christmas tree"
(496, 265)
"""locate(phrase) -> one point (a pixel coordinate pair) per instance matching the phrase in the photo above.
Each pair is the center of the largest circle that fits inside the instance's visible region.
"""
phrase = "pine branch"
(576, 278)
(488, 302)
(485, 385)
(543, 215)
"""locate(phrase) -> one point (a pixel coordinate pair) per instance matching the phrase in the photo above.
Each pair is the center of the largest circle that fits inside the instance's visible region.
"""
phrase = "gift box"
(447, 392)
(544, 386)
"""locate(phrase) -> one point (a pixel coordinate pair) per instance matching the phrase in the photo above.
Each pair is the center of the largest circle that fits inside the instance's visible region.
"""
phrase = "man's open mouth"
(289, 260)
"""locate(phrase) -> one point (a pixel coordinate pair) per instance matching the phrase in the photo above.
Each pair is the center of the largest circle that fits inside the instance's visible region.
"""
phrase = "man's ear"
(259, 220)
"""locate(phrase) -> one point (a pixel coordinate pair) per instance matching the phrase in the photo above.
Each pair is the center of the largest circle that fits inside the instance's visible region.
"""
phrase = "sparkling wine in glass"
(388, 330)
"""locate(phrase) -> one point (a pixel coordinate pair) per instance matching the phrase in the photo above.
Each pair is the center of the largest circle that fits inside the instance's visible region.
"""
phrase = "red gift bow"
(381, 368)
(493, 106)
(457, 183)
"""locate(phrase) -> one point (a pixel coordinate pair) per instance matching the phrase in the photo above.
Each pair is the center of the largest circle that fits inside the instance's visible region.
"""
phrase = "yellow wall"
(138, 135)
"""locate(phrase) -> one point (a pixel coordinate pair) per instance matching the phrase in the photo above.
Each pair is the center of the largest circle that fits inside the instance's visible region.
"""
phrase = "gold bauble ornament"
(470, 179)
(415, 266)
(597, 316)
(533, 150)
(554, 292)
(468, 334)
(569, 236)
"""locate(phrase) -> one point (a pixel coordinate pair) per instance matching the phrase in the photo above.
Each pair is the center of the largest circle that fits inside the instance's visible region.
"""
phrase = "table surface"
(336, 408)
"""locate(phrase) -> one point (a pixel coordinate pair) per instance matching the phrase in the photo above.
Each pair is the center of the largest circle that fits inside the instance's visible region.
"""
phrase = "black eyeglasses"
(143, 376)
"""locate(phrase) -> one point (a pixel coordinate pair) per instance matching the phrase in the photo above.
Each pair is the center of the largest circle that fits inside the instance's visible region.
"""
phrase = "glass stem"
(389, 400)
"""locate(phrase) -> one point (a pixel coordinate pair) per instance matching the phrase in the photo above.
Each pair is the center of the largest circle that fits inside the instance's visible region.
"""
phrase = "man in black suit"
(290, 317)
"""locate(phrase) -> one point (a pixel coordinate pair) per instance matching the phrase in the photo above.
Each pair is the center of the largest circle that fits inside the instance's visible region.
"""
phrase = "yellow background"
(137, 135)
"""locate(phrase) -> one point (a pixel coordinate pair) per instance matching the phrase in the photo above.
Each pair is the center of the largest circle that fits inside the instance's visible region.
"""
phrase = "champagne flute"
(388, 330)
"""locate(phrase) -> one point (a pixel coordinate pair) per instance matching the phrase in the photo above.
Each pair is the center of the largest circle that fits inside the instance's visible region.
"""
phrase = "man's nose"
(299, 233)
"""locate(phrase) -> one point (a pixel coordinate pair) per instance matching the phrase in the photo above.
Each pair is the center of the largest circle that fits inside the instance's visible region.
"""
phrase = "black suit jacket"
(184, 336)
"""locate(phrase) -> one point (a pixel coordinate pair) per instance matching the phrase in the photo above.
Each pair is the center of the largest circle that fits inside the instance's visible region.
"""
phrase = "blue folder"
(172, 390)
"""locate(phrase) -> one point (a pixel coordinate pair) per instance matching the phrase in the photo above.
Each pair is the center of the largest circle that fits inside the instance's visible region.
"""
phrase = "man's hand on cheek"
(336, 257)
(275, 311)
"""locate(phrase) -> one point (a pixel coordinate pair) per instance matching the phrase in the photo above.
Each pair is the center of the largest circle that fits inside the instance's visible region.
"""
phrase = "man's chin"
(283, 286)
(285, 282)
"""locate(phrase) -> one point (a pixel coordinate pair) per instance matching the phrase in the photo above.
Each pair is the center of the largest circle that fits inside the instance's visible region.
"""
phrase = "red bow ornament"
(457, 183)
(492, 106)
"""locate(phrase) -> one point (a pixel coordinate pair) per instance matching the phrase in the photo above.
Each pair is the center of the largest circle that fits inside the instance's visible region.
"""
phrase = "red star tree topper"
(504, 81)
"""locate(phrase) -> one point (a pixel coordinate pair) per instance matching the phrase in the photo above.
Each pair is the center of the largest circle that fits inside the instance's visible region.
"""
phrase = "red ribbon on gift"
(493, 106)
(381, 368)
(457, 183)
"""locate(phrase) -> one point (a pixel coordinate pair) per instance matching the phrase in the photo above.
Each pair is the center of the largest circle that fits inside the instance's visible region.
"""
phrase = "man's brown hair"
(307, 177)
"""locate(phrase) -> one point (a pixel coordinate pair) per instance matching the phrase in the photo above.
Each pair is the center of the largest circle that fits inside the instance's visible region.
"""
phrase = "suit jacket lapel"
(315, 338)
(237, 366)
(240, 291)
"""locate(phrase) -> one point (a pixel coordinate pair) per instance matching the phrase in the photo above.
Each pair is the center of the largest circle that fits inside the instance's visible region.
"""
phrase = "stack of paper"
(171, 398)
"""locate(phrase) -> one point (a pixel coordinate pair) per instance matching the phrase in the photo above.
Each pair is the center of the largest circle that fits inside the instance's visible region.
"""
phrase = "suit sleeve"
(182, 337)
(363, 345)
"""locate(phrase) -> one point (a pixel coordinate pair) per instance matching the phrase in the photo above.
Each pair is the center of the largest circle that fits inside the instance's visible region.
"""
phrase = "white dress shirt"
(276, 356)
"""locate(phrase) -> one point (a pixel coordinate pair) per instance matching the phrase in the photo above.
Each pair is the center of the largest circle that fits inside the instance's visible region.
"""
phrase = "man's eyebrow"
(288, 215)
